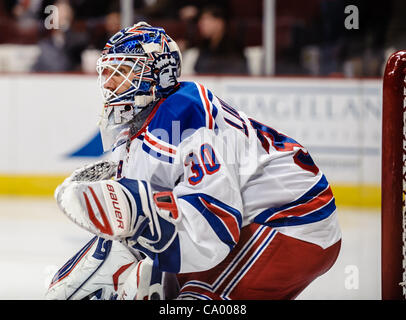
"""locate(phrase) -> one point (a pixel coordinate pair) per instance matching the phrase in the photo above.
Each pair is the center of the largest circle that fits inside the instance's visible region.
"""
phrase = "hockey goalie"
(197, 200)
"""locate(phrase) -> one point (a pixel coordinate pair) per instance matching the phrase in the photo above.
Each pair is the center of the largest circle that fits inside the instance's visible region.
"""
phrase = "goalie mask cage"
(393, 246)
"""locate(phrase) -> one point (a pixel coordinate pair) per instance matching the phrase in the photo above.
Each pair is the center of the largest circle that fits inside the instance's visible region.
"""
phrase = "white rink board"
(47, 117)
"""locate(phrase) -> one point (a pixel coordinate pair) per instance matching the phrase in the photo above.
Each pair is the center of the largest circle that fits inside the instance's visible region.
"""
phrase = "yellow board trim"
(368, 196)
(41, 185)
(29, 185)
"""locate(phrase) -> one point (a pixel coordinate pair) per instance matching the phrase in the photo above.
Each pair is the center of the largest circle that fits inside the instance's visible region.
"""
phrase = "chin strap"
(147, 99)
(144, 100)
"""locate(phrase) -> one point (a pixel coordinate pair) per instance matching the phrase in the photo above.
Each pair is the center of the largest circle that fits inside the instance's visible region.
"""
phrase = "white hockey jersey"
(227, 171)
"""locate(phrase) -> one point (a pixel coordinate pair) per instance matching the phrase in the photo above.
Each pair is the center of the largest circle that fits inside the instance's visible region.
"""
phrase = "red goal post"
(393, 239)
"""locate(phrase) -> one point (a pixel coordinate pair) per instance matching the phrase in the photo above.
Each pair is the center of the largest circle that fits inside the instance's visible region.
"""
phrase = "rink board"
(49, 127)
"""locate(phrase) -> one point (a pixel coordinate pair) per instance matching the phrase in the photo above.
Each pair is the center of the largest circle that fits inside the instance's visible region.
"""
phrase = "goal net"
(393, 223)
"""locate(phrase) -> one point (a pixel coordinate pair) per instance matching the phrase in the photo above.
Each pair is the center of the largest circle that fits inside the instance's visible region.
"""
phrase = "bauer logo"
(115, 206)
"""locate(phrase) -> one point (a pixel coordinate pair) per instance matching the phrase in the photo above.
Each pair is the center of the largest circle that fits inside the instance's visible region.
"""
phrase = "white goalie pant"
(105, 269)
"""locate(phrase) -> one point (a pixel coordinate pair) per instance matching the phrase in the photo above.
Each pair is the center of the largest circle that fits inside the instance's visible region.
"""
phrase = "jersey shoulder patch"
(178, 117)
(184, 112)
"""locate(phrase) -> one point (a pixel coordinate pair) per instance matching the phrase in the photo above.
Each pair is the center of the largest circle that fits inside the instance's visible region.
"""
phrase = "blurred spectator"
(61, 50)
(100, 34)
(213, 35)
(333, 50)
(188, 12)
(294, 35)
(329, 32)
(219, 52)
(157, 9)
(395, 39)
(90, 9)
(362, 50)
(27, 13)
(111, 24)
(6, 7)
(185, 10)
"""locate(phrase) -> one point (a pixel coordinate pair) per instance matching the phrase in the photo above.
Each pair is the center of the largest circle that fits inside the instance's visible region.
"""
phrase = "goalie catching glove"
(124, 210)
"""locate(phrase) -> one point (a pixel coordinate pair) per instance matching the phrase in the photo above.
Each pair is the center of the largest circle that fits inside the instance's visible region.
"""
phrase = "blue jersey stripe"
(315, 216)
(214, 110)
(215, 222)
(156, 154)
(321, 185)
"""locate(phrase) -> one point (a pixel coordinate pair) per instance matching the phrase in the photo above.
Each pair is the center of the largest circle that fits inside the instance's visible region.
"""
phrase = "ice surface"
(36, 239)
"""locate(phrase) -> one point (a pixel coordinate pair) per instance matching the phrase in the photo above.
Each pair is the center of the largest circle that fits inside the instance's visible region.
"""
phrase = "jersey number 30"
(204, 163)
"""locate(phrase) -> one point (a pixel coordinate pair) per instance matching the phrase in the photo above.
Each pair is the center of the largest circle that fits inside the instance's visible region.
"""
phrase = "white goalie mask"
(120, 78)
(138, 66)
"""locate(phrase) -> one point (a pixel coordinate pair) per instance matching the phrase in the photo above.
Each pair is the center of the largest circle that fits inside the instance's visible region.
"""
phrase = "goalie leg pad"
(97, 271)
(146, 282)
